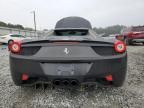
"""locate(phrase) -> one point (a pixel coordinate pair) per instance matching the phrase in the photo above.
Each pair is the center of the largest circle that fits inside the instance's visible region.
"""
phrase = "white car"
(109, 37)
(11, 37)
(114, 37)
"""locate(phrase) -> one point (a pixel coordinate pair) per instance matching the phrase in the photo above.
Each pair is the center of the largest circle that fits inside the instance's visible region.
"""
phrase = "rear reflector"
(109, 78)
(24, 77)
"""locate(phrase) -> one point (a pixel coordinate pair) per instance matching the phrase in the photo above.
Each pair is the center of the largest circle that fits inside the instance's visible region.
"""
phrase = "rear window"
(71, 32)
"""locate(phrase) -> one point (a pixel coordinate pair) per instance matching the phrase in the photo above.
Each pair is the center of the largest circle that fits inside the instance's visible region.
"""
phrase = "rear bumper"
(81, 69)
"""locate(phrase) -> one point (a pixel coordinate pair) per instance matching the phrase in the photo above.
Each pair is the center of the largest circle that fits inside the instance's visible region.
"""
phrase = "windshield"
(71, 32)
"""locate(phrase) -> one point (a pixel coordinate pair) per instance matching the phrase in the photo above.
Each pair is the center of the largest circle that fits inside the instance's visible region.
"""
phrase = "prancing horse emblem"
(66, 51)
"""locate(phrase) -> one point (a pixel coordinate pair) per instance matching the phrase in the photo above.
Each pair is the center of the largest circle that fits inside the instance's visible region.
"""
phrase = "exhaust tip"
(74, 82)
(56, 82)
(65, 82)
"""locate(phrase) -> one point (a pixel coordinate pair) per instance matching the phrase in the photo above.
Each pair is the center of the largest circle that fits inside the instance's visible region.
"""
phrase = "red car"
(134, 34)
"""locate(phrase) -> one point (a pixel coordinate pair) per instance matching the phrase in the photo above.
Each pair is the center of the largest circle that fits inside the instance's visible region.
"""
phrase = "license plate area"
(66, 69)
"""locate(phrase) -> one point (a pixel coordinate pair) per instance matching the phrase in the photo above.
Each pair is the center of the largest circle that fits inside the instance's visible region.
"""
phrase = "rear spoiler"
(67, 41)
(59, 29)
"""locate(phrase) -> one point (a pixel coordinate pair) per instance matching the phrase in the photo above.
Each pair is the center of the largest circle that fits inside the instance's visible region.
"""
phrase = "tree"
(115, 29)
(3, 24)
(17, 26)
(10, 25)
(28, 28)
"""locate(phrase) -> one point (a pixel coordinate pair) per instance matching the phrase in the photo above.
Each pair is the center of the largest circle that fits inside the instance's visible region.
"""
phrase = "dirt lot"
(131, 95)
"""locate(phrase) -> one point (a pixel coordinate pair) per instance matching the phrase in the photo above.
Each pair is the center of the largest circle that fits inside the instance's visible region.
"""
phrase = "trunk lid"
(67, 49)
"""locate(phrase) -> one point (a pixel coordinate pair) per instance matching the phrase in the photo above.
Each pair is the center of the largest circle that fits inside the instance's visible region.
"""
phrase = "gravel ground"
(131, 95)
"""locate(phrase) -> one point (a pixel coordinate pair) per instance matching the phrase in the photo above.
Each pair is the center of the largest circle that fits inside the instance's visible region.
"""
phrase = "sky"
(101, 13)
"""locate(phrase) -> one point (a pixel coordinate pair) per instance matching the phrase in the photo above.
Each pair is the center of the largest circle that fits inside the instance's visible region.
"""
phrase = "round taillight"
(15, 47)
(119, 46)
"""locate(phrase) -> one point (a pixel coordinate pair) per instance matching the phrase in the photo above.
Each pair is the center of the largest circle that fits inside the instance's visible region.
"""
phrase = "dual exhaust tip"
(65, 82)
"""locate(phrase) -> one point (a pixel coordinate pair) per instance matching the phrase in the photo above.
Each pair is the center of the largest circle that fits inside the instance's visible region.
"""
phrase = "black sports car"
(73, 54)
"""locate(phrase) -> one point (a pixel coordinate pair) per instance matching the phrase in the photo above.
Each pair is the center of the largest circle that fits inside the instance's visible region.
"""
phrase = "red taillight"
(119, 46)
(15, 47)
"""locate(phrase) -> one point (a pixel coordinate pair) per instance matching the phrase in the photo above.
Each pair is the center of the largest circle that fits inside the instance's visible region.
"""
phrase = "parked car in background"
(11, 37)
(109, 37)
(134, 34)
(114, 37)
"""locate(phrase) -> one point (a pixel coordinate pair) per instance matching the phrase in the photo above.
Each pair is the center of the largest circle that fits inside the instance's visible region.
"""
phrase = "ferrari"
(71, 55)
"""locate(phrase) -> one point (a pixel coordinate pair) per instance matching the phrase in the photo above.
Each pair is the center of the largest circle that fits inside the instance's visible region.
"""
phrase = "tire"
(143, 43)
(10, 41)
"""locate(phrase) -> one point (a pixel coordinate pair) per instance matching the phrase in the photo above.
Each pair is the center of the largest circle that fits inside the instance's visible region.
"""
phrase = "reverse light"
(119, 46)
(15, 47)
